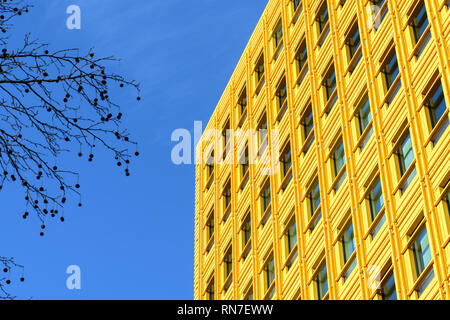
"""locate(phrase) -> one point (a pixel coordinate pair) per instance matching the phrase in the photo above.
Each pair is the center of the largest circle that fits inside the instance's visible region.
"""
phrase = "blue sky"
(134, 237)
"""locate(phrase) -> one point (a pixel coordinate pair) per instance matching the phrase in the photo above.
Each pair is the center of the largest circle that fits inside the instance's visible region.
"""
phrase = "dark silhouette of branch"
(53, 102)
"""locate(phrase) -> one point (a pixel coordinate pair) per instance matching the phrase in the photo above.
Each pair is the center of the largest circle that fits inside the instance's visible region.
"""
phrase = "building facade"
(337, 186)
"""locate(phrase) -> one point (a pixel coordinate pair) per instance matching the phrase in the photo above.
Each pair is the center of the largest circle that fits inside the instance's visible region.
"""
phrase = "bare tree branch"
(53, 102)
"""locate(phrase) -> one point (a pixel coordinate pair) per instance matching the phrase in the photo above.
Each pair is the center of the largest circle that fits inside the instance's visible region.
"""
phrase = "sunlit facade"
(357, 95)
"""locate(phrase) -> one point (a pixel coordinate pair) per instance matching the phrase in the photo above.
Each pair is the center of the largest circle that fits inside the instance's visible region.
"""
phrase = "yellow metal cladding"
(360, 209)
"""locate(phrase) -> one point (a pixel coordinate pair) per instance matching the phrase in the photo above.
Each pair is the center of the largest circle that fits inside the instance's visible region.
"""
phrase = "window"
(436, 105)
(353, 41)
(244, 166)
(281, 100)
(390, 70)
(380, 10)
(419, 21)
(242, 106)
(405, 154)
(329, 83)
(313, 198)
(347, 241)
(329, 89)
(307, 126)
(436, 110)
(226, 201)
(210, 290)
(296, 7)
(262, 135)
(278, 34)
(226, 138)
(210, 171)
(265, 196)
(387, 290)
(210, 226)
(321, 280)
(447, 202)
(259, 69)
(297, 3)
(301, 64)
(246, 235)
(302, 56)
(422, 257)
(291, 235)
(364, 117)
(421, 252)
(338, 158)
(228, 263)
(348, 248)
(246, 231)
(376, 203)
(286, 164)
(269, 273)
(290, 243)
(322, 17)
(249, 294)
(405, 158)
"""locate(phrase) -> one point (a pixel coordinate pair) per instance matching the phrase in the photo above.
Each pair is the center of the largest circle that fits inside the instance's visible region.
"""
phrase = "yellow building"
(354, 96)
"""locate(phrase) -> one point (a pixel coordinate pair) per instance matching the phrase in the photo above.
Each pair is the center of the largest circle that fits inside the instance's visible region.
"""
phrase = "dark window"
(262, 132)
(436, 105)
(278, 34)
(228, 260)
(260, 69)
(330, 83)
(322, 282)
(388, 291)
(265, 196)
(269, 270)
(364, 115)
(447, 202)
(281, 95)
(314, 198)
(338, 158)
(419, 21)
(353, 41)
(405, 154)
(291, 235)
(226, 137)
(390, 71)
(322, 17)
(247, 230)
(243, 104)
(227, 195)
(379, 4)
(249, 295)
(348, 244)
(245, 162)
(307, 126)
(286, 160)
(302, 57)
(421, 251)
(375, 197)
(210, 225)
(210, 290)
(307, 123)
